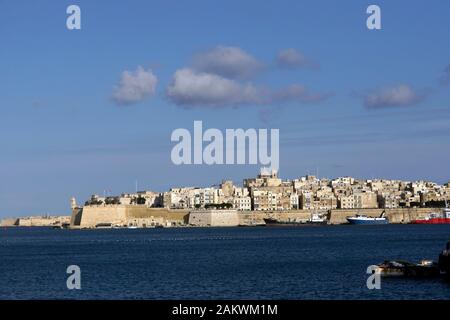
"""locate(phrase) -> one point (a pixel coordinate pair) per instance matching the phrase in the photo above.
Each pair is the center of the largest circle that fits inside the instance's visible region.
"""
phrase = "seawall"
(9, 222)
(397, 215)
(35, 221)
(90, 216)
(214, 218)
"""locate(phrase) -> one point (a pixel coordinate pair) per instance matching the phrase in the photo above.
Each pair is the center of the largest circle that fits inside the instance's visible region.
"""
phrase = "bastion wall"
(90, 216)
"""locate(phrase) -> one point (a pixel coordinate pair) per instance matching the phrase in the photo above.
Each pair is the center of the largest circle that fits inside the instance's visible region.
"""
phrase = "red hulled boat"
(435, 217)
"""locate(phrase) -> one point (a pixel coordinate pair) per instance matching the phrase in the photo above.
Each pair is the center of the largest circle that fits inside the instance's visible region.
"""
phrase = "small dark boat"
(425, 268)
(271, 222)
(315, 220)
(103, 225)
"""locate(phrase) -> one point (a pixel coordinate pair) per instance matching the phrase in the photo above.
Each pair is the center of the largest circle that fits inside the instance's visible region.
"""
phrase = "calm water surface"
(327, 262)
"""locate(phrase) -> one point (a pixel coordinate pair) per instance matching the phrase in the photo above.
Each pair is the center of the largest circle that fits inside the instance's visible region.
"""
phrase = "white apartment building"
(242, 203)
(346, 202)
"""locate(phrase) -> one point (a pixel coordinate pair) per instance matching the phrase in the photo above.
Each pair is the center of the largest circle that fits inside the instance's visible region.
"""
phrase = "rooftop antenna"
(136, 186)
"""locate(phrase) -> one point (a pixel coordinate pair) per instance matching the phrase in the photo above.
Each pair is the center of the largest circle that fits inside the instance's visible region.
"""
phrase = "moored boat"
(394, 268)
(365, 220)
(442, 217)
(318, 219)
(272, 222)
(103, 225)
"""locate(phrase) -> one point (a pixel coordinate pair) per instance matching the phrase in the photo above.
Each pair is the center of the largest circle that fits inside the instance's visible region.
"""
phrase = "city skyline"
(137, 189)
(307, 192)
(93, 109)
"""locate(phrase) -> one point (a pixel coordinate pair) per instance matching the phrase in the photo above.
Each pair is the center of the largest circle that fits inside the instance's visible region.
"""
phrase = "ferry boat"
(442, 217)
(363, 219)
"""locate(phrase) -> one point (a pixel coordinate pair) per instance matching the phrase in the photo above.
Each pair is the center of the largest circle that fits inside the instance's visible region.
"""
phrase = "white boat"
(317, 218)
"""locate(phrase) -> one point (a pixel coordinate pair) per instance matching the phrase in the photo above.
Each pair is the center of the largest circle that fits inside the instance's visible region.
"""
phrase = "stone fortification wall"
(397, 215)
(90, 216)
(214, 218)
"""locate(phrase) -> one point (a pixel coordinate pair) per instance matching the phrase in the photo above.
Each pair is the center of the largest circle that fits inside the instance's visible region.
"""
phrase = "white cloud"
(193, 89)
(396, 96)
(135, 86)
(291, 58)
(219, 78)
(229, 62)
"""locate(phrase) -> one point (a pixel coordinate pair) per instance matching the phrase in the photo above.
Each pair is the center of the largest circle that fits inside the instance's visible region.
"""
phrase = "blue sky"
(69, 126)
